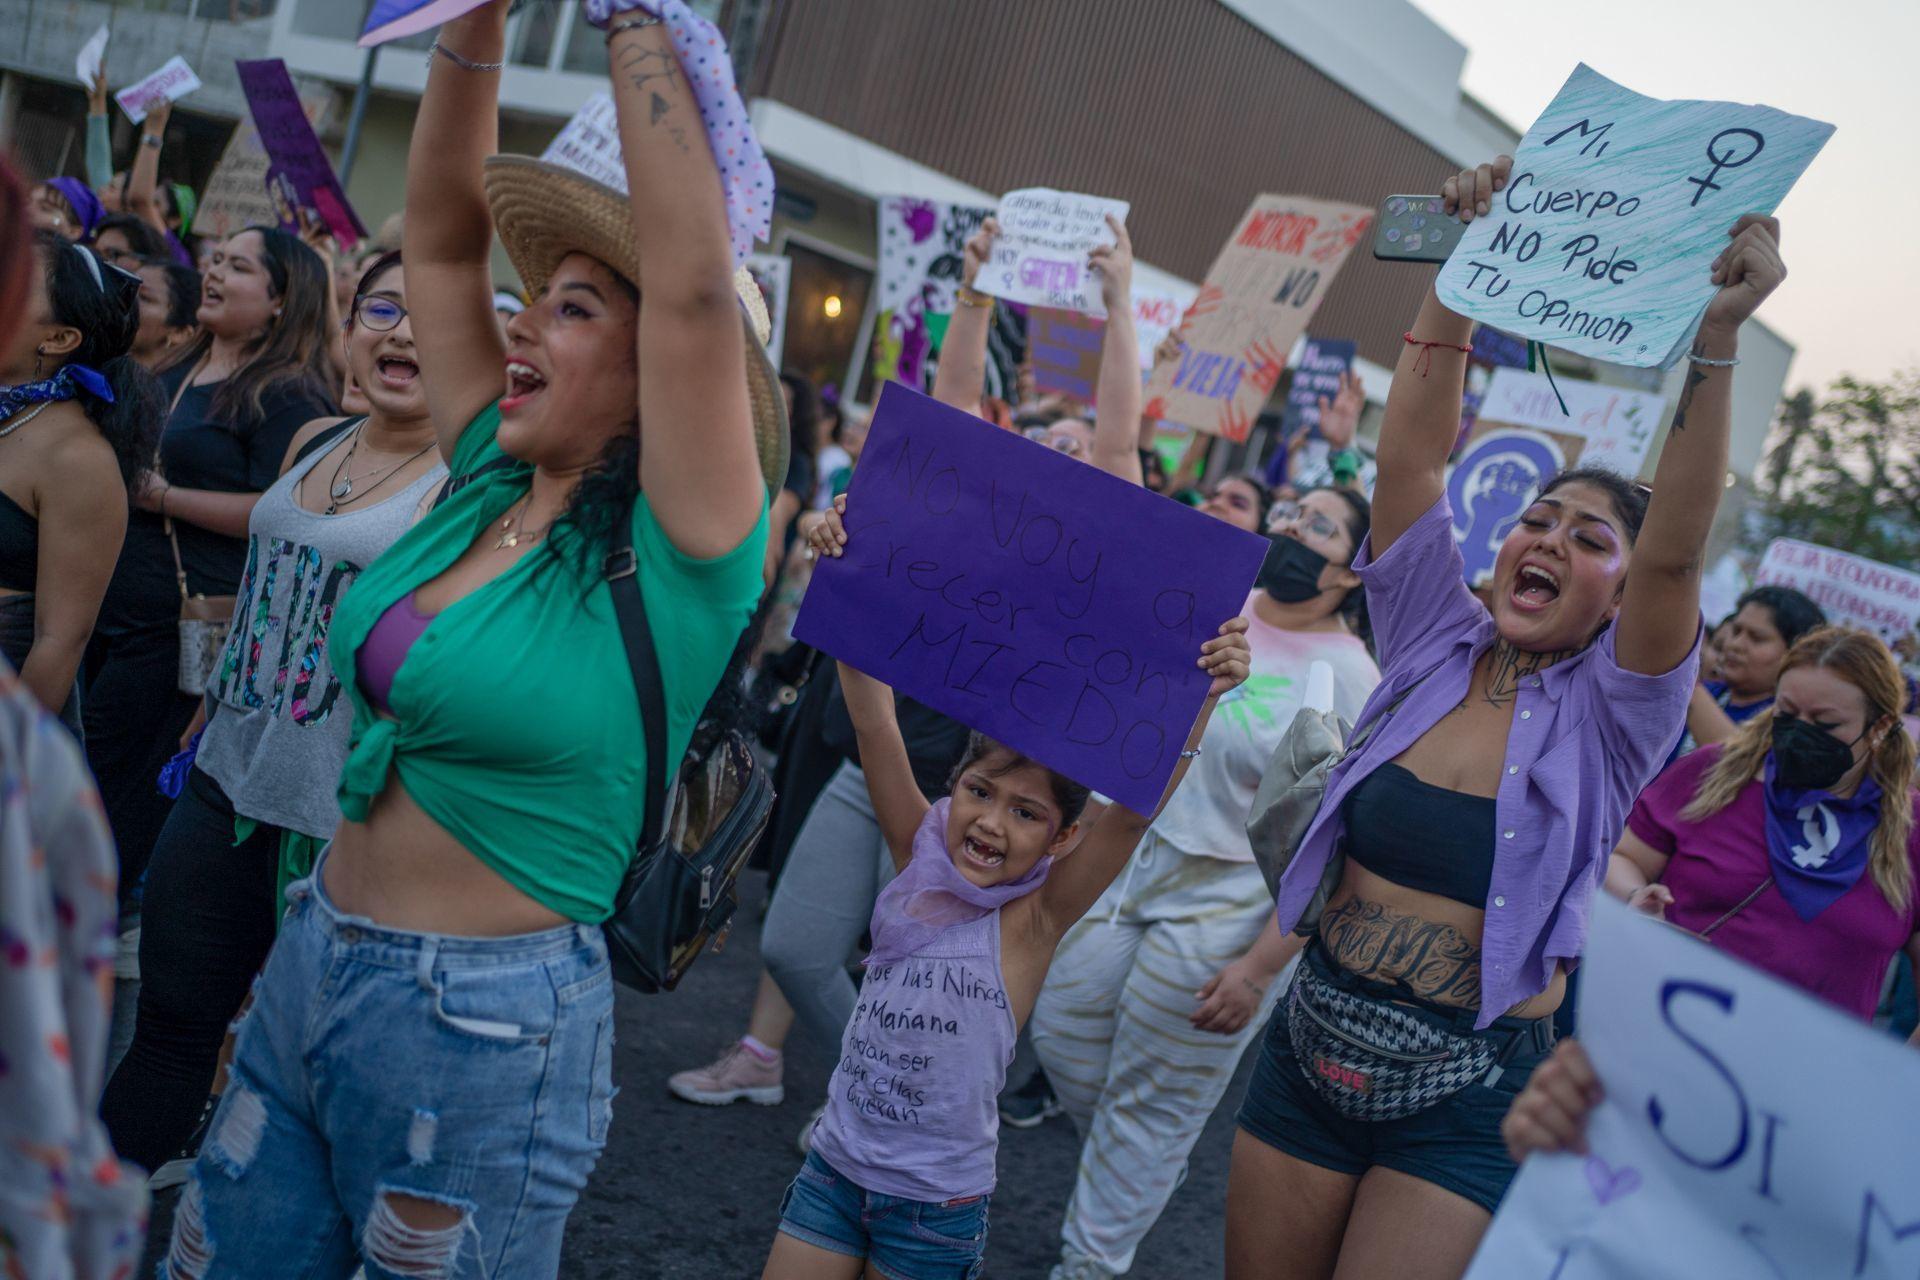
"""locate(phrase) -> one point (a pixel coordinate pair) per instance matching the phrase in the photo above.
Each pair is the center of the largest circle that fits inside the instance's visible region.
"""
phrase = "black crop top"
(1420, 836)
(19, 546)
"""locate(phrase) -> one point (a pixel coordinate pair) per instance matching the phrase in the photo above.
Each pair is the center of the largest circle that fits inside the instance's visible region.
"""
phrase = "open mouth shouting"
(1534, 588)
(524, 382)
(397, 373)
(983, 855)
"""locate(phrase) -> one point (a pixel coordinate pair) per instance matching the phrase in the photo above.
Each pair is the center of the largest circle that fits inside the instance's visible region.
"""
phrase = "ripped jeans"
(379, 1069)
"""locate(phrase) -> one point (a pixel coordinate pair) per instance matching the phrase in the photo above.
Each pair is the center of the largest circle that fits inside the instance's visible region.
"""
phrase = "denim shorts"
(1453, 1144)
(475, 1073)
(900, 1239)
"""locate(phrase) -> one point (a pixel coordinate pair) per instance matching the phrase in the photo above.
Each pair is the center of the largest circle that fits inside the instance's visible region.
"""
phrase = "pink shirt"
(1841, 955)
(1587, 735)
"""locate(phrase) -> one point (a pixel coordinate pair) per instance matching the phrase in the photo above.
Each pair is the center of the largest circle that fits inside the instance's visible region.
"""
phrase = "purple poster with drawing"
(299, 176)
(1028, 595)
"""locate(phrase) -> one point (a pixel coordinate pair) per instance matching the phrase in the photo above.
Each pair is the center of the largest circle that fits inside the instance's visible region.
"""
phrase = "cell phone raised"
(1413, 229)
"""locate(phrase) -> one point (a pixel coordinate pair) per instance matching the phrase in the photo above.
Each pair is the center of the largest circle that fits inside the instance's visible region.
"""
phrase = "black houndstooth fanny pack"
(1374, 1059)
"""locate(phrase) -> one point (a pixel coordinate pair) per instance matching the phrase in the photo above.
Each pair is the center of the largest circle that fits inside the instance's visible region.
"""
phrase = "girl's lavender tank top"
(913, 1107)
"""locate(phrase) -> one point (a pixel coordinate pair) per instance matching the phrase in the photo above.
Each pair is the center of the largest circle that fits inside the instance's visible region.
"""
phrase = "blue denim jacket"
(1587, 737)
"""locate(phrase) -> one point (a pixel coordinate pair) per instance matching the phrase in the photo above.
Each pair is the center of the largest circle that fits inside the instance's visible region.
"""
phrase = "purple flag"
(392, 19)
(1035, 598)
(299, 175)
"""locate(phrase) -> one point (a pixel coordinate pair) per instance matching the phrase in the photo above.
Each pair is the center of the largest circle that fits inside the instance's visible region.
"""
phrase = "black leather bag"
(681, 890)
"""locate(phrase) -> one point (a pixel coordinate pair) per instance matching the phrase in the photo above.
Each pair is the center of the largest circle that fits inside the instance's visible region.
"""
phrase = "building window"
(825, 302)
(586, 48)
(534, 44)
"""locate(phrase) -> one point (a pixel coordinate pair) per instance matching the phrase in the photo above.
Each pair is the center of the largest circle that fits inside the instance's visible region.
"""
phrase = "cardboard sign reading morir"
(1853, 590)
(1040, 255)
(1269, 279)
(1035, 598)
(1748, 1130)
(1604, 237)
(299, 175)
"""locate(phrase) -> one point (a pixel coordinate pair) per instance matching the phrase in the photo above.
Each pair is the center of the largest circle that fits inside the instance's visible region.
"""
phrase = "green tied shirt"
(515, 723)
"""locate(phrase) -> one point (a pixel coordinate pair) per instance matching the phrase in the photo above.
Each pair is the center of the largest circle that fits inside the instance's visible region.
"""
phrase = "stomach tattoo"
(1433, 961)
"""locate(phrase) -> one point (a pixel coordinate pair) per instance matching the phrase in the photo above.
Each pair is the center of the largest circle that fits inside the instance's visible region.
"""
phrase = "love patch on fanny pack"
(1341, 1074)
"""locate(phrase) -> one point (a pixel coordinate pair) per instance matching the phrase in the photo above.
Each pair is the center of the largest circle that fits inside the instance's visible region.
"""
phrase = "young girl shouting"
(902, 1165)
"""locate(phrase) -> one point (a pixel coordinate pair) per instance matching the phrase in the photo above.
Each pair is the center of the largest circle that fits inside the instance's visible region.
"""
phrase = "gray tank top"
(279, 738)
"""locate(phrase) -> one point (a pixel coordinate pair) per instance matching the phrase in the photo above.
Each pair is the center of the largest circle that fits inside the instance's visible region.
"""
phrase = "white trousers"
(1112, 1032)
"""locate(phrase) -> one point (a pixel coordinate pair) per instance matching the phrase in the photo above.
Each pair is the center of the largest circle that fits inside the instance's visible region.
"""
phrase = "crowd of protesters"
(323, 773)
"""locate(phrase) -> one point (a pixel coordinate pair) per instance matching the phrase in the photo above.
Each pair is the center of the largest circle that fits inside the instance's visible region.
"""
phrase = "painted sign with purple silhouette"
(922, 249)
(1748, 1130)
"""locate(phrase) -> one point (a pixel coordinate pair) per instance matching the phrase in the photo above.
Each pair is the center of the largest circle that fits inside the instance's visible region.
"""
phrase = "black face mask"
(1292, 571)
(1807, 757)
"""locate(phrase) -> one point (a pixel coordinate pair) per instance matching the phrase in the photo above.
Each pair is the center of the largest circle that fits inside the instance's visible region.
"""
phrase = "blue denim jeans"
(472, 1073)
(900, 1239)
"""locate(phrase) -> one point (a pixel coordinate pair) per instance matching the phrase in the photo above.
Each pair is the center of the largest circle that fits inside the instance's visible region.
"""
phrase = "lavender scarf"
(931, 896)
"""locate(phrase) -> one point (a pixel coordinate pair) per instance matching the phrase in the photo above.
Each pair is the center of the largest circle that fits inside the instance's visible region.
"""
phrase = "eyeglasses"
(379, 314)
(1315, 523)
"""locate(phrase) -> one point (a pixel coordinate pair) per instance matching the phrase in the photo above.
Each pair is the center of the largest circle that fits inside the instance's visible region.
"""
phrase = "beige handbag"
(204, 620)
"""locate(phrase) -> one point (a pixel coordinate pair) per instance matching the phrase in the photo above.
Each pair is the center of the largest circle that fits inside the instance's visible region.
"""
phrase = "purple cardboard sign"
(1035, 598)
(299, 176)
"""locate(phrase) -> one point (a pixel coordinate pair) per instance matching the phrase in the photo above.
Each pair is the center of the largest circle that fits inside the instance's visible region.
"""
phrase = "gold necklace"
(510, 536)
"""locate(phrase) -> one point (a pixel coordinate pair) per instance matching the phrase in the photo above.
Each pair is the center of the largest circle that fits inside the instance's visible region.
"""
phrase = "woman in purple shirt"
(1506, 747)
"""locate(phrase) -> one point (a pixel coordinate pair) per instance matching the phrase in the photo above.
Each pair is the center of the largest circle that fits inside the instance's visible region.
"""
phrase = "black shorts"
(1453, 1144)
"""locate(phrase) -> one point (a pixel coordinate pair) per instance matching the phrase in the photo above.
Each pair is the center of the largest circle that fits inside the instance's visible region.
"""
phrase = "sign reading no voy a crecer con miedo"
(1603, 239)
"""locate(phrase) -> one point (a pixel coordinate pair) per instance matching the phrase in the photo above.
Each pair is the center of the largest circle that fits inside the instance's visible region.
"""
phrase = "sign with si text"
(299, 175)
(1603, 240)
(1269, 279)
(1853, 590)
(1040, 255)
(1030, 596)
(1748, 1130)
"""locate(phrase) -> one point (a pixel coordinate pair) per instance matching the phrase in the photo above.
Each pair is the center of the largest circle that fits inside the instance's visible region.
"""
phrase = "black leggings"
(134, 714)
(207, 924)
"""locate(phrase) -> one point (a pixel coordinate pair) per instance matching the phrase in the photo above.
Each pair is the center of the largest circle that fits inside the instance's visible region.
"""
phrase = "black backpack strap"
(623, 581)
(321, 439)
(455, 484)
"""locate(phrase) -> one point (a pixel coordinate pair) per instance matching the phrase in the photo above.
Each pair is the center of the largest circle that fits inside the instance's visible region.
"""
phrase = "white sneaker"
(805, 1142)
(737, 1074)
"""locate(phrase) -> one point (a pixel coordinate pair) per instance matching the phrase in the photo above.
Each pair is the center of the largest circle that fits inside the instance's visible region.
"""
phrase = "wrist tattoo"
(1694, 378)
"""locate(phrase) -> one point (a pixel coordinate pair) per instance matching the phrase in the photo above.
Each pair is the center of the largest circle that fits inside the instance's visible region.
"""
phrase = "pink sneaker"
(738, 1073)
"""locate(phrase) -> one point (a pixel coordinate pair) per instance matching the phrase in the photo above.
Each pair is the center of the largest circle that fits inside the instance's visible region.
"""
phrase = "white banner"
(1040, 255)
(589, 144)
(1616, 425)
(1749, 1131)
(1853, 590)
(86, 64)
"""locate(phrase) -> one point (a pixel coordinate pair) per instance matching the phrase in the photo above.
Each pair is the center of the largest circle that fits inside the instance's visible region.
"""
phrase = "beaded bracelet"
(465, 64)
(1713, 364)
(968, 296)
(638, 23)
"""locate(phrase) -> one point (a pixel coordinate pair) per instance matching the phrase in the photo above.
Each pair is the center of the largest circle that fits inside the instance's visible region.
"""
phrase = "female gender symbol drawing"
(1729, 158)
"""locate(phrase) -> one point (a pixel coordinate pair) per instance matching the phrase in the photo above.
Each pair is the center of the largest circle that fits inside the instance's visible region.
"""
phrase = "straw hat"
(543, 212)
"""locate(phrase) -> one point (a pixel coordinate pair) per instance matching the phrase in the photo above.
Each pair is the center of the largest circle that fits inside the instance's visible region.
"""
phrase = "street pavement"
(693, 1193)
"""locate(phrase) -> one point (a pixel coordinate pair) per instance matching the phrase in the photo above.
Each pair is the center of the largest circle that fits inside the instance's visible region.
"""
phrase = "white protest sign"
(773, 272)
(1853, 590)
(1615, 426)
(1156, 313)
(589, 144)
(1748, 1131)
(1040, 256)
(87, 64)
(1604, 237)
(170, 83)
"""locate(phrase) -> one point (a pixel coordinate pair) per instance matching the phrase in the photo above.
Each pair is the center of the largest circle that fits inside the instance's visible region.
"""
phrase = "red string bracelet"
(1423, 365)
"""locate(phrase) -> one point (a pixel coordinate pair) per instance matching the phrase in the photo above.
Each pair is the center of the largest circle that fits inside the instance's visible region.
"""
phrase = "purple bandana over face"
(931, 896)
(1818, 845)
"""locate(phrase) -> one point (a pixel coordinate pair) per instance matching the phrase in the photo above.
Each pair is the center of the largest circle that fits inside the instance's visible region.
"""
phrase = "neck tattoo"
(1508, 666)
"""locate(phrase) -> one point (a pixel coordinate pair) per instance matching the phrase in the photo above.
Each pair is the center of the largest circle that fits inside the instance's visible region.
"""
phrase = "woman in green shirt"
(428, 1055)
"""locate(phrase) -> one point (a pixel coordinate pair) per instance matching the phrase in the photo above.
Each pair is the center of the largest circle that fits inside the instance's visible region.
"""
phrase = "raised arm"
(143, 181)
(99, 152)
(897, 801)
(961, 378)
(1116, 429)
(1660, 611)
(448, 231)
(1429, 379)
(697, 463)
(1078, 879)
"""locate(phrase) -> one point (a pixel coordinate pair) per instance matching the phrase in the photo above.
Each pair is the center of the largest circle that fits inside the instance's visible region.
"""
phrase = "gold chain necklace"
(510, 536)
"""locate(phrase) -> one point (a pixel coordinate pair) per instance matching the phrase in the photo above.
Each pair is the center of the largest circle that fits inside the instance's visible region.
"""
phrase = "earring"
(39, 354)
